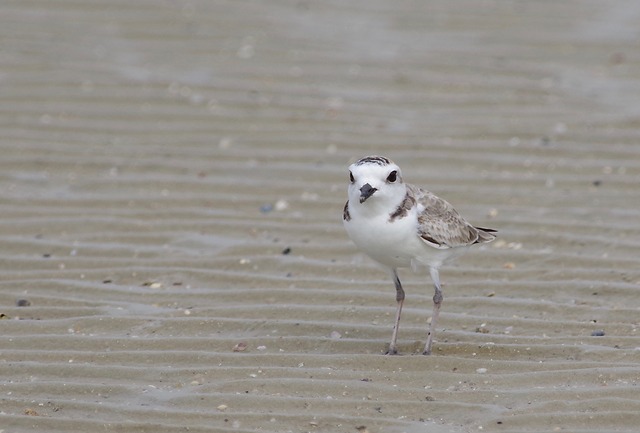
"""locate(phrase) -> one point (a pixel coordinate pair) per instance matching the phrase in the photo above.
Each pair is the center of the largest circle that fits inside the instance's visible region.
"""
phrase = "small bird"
(400, 225)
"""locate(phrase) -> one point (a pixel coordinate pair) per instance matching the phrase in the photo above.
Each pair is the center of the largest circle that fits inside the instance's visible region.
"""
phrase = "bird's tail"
(485, 235)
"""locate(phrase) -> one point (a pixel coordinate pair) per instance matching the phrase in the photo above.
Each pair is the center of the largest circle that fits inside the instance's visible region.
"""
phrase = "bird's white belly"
(395, 244)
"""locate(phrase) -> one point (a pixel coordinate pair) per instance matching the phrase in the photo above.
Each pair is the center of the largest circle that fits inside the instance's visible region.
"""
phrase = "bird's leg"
(437, 301)
(393, 349)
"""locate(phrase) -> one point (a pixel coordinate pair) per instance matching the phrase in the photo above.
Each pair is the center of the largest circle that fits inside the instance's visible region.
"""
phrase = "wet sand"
(171, 186)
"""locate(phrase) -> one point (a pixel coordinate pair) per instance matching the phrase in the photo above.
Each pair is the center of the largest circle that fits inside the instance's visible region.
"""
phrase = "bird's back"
(441, 226)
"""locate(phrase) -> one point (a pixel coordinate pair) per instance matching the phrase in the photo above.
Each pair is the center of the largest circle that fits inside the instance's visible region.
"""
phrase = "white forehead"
(373, 166)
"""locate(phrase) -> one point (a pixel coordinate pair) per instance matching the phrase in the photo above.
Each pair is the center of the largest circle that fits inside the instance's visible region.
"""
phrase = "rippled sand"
(172, 177)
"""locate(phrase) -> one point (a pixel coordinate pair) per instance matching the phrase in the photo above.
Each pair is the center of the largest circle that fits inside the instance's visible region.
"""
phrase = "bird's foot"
(391, 351)
(427, 349)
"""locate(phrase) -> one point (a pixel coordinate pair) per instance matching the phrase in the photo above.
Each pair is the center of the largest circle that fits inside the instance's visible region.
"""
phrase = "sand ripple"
(171, 185)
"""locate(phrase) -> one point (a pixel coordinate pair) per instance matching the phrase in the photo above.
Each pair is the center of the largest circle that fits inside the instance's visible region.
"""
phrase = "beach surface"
(172, 178)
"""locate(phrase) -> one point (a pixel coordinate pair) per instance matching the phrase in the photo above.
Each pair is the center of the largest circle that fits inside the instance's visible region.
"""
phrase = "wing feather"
(441, 226)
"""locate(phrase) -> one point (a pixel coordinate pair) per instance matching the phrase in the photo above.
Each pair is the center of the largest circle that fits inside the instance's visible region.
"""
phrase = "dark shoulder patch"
(404, 208)
(345, 213)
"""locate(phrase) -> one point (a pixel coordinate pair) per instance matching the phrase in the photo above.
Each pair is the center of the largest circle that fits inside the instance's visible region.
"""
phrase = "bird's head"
(375, 179)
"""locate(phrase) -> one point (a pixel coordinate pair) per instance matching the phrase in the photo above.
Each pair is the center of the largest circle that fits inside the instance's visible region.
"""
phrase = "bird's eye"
(351, 177)
(392, 176)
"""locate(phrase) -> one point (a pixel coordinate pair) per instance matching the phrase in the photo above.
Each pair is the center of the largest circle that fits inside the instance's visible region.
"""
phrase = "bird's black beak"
(366, 191)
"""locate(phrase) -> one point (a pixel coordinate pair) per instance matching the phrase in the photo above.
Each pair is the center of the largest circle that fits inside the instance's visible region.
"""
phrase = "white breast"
(394, 244)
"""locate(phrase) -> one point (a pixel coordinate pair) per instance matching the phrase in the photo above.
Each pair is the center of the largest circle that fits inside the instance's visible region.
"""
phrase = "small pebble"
(23, 303)
(335, 335)
(598, 333)
(481, 370)
(266, 208)
(225, 142)
(240, 347)
(281, 205)
(286, 251)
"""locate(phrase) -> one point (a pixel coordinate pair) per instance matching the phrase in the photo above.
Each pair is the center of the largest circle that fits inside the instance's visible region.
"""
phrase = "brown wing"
(440, 225)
